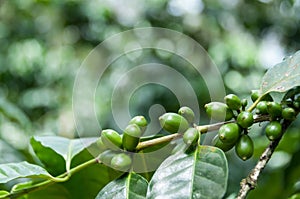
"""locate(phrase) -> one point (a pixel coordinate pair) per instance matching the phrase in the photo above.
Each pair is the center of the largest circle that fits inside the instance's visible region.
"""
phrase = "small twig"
(156, 141)
(250, 109)
(250, 182)
(202, 128)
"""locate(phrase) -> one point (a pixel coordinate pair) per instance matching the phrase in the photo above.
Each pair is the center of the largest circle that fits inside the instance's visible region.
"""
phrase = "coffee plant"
(184, 167)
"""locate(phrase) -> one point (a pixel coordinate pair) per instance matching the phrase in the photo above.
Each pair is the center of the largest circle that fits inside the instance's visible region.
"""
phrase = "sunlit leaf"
(13, 171)
(282, 76)
(131, 186)
(3, 193)
(201, 174)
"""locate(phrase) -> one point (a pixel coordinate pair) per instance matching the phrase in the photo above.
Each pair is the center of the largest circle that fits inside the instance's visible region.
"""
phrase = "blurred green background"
(44, 42)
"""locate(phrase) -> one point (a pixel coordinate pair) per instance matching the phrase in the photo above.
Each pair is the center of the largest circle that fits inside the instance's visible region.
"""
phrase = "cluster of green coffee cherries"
(235, 132)
(182, 123)
(116, 148)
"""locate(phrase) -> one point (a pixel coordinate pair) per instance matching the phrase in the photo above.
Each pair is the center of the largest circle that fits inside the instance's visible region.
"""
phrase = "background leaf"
(12, 171)
(282, 76)
(9, 154)
(131, 186)
(13, 112)
(201, 174)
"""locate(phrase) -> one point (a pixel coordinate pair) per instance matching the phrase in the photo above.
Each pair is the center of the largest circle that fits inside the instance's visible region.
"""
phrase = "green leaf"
(201, 174)
(282, 76)
(56, 191)
(131, 186)
(149, 159)
(52, 161)
(56, 153)
(3, 193)
(89, 181)
(295, 196)
(13, 171)
(65, 147)
(85, 183)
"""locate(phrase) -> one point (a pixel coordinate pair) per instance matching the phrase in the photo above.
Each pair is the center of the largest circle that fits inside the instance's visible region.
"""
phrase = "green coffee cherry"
(191, 136)
(233, 101)
(100, 145)
(274, 109)
(296, 102)
(121, 162)
(106, 157)
(288, 102)
(296, 105)
(111, 139)
(218, 111)
(297, 97)
(273, 130)
(140, 121)
(244, 147)
(255, 94)
(229, 133)
(187, 113)
(245, 119)
(131, 137)
(262, 107)
(173, 123)
(221, 145)
(288, 113)
(244, 103)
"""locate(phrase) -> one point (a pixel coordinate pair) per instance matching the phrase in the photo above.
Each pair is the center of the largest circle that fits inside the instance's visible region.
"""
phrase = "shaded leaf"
(88, 182)
(24, 190)
(52, 161)
(85, 183)
(56, 153)
(201, 174)
(56, 191)
(282, 76)
(12, 171)
(131, 186)
(65, 147)
(149, 159)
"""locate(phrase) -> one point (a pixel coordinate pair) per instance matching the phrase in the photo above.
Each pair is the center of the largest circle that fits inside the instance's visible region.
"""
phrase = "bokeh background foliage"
(43, 43)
